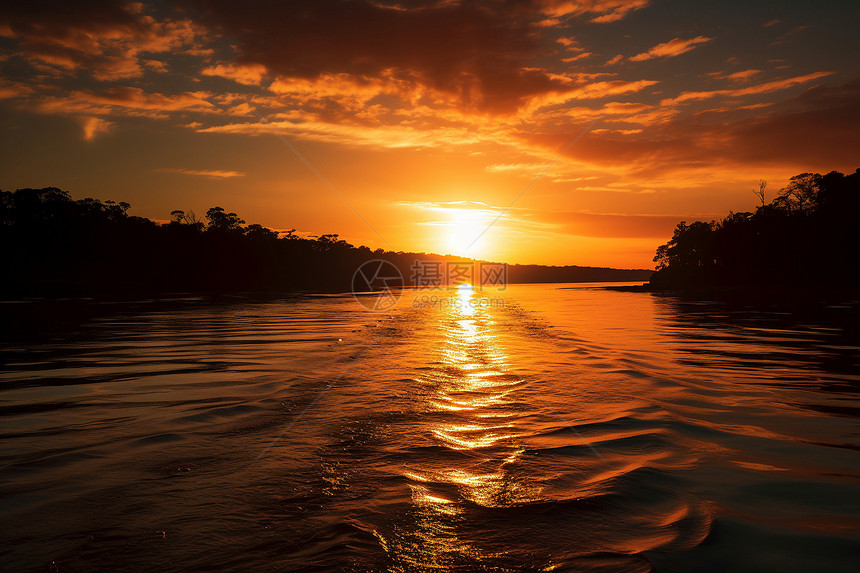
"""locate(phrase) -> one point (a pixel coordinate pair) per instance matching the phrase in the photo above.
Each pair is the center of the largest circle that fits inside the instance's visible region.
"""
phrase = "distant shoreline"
(754, 294)
(58, 247)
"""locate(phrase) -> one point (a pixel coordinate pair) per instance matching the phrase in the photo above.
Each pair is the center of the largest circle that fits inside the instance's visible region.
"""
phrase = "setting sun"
(467, 232)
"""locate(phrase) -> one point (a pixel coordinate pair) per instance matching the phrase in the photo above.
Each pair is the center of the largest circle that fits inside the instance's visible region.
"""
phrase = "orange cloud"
(93, 126)
(595, 90)
(116, 102)
(605, 11)
(208, 173)
(106, 40)
(483, 62)
(392, 137)
(763, 88)
(248, 74)
(10, 90)
(743, 75)
(137, 98)
(784, 136)
(581, 56)
(670, 49)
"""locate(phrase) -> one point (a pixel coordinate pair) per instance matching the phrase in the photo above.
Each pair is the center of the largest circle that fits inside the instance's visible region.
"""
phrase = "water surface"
(543, 428)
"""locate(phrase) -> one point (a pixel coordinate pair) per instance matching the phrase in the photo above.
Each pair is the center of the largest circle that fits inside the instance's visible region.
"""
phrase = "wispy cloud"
(670, 49)
(249, 75)
(736, 77)
(767, 87)
(602, 11)
(93, 126)
(530, 168)
(208, 173)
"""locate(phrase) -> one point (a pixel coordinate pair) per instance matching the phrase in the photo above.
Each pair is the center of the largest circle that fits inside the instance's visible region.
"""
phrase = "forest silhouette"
(808, 236)
(54, 245)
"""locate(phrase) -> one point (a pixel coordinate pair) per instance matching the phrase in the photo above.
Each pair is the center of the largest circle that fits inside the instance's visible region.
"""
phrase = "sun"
(467, 232)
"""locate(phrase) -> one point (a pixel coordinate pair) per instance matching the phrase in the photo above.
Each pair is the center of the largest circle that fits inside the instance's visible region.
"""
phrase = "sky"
(545, 131)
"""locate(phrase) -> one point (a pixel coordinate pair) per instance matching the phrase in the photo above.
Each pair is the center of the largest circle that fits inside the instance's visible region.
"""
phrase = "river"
(538, 428)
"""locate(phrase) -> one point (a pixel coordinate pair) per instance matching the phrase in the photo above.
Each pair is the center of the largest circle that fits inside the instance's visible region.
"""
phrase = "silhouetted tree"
(260, 233)
(223, 222)
(53, 244)
(808, 233)
(760, 192)
(801, 193)
(180, 217)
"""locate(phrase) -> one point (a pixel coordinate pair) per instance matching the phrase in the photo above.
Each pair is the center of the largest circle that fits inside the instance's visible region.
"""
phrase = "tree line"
(55, 245)
(807, 236)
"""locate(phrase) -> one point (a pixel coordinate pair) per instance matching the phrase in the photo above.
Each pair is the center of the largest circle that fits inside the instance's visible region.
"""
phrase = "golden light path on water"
(473, 383)
(493, 460)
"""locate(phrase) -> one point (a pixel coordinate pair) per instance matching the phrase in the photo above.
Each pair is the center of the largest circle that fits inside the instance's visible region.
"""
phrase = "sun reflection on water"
(472, 414)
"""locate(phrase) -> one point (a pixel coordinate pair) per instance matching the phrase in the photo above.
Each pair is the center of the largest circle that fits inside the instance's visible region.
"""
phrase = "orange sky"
(585, 129)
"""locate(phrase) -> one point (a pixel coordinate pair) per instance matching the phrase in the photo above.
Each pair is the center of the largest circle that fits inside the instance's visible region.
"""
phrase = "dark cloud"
(103, 38)
(478, 52)
(61, 19)
(820, 127)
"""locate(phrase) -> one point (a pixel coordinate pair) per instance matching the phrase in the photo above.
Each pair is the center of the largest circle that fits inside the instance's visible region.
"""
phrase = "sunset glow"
(602, 124)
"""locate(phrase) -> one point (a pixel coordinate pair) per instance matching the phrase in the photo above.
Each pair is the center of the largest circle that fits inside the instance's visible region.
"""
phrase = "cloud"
(392, 137)
(421, 74)
(789, 35)
(479, 54)
(156, 65)
(93, 126)
(484, 50)
(577, 57)
(120, 102)
(105, 39)
(527, 168)
(137, 98)
(738, 77)
(249, 75)
(670, 49)
(586, 91)
(208, 173)
(633, 136)
(819, 129)
(602, 11)
(9, 90)
(763, 88)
